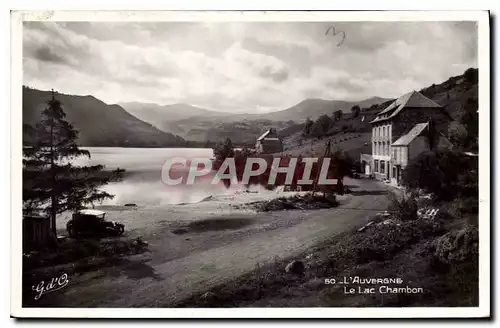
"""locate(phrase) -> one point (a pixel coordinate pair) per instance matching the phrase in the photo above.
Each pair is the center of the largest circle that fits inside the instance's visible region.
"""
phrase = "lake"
(142, 184)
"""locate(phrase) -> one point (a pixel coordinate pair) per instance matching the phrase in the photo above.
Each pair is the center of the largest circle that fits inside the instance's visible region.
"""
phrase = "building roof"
(365, 157)
(410, 99)
(91, 212)
(405, 139)
(272, 135)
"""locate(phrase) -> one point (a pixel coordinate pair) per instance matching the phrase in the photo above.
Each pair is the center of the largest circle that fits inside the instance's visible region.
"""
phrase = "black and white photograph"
(255, 161)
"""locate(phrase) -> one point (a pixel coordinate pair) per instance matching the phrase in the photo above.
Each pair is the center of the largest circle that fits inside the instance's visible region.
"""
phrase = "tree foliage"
(445, 174)
(51, 183)
(223, 150)
(355, 110)
(471, 75)
(307, 127)
(321, 126)
(344, 163)
(337, 115)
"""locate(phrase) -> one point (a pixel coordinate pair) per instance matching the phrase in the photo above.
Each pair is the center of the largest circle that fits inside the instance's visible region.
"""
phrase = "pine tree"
(51, 183)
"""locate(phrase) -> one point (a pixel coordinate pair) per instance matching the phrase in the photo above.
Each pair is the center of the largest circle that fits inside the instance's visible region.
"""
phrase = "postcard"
(197, 164)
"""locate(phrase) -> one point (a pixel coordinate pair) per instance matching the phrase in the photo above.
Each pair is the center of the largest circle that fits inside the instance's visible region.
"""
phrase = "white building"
(399, 133)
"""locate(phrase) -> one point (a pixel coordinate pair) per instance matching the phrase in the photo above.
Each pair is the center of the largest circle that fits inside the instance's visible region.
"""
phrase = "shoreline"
(180, 265)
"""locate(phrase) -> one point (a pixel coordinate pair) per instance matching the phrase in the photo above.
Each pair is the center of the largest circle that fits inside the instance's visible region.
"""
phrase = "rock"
(139, 242)
(384, 214)
(179, 231)
(314, 283)
(207, 296)
(458, 246)
(206, 199)
(295, 267)
(365, 226)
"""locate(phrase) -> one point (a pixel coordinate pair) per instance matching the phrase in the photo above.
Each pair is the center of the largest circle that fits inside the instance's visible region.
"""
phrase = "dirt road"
(167, 274)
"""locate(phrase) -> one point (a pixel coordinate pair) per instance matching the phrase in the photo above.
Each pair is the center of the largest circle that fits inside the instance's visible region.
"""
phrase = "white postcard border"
(482, 17)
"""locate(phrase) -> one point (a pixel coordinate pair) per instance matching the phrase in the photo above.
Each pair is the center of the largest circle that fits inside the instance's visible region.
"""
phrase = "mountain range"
(98, 123)
(137, 124)
(199, 124)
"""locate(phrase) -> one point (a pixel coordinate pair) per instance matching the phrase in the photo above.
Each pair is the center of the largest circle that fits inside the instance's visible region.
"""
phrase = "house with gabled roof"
(269, 142)
(419, 139)
(403, 122)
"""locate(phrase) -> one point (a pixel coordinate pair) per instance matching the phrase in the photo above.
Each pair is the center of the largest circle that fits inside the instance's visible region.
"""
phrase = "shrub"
(445, 174)
(471, 75)
(384, 241)
(458, 246)
(404, 208)
(462, 207)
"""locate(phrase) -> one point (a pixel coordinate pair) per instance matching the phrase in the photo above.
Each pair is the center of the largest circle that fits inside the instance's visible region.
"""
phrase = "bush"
(384, 241)
(471, 75)
(445, 174)
(403, 208)
(463, 207)
(223, 150)
(458, 246)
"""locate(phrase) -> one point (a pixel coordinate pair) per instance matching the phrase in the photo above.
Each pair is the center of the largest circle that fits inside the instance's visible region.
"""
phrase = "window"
(383, 131)
(394, 172)
(382, 166)
(395, 154)
(376, 165)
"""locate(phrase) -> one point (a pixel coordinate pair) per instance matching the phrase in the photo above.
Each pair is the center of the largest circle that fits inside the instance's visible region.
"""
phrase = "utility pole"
(326, 154)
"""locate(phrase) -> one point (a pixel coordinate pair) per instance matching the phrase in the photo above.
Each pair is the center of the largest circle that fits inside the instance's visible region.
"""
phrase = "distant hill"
(314, 108)
(161, 115)
(98, 123)
(198, 124)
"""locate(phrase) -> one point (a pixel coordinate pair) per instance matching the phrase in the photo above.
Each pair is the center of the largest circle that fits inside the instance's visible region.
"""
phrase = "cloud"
(244, 67)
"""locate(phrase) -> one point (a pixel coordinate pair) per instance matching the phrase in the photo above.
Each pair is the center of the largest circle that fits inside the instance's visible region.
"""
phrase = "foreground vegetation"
(437, 253)
(73, 257)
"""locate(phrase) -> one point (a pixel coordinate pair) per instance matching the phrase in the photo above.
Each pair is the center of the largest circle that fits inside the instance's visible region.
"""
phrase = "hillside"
(198, 124)
(350, 134)
(314, 108)
(99, 124)
(458, 95)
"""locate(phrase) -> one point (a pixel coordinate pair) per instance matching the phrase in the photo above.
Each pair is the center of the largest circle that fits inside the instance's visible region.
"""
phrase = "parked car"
(92, 223)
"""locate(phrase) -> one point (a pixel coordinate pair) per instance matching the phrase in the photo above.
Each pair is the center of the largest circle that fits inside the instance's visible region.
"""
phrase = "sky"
(245, 67)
